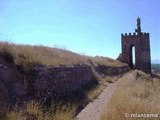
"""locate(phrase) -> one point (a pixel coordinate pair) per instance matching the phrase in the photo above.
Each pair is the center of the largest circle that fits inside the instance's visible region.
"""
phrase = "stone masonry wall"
(110, 70)
(53, 82)
(46, 82)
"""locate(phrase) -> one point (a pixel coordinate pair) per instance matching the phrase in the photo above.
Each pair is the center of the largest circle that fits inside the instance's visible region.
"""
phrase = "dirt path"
(94, 109)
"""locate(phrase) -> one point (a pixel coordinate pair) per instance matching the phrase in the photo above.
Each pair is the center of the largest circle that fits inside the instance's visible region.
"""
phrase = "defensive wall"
(46, 82)
(53, 82)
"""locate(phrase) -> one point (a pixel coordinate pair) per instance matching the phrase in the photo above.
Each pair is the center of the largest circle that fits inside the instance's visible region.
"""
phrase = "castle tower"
(141, 42)
(138, 30)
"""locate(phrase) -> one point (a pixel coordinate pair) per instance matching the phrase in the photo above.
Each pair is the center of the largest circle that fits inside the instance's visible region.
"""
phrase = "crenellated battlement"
(129, 34)
(134, 34)
(145, 34)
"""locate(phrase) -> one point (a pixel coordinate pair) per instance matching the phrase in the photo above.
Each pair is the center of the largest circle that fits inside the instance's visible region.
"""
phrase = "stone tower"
(141, 42)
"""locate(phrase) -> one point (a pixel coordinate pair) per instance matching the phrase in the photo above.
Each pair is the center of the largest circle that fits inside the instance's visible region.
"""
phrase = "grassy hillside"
(28, 56)
(136, 94)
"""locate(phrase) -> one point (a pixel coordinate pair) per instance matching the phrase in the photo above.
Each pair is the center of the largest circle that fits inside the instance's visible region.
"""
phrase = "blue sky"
(91, 27)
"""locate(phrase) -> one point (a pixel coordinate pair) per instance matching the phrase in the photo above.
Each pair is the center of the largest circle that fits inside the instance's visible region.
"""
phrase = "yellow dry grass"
(92, 94)
(105, 61)
(33, 111)
(27, 55)
(134, 96)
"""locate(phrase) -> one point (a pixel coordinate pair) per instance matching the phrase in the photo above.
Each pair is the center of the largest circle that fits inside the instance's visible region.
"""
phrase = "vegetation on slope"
(27, 56)
(134, 95)
(64, 110)
(34, 111)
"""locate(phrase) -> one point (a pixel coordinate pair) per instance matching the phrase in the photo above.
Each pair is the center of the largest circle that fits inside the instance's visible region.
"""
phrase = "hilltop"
(28, 56)
(40, 73)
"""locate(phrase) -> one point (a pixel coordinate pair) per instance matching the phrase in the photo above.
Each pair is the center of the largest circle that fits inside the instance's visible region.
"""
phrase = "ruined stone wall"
(53, 82)
(46, 82)
(110, 70)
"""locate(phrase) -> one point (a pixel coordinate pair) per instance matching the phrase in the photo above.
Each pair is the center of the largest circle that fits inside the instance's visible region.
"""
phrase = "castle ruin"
(141, 42)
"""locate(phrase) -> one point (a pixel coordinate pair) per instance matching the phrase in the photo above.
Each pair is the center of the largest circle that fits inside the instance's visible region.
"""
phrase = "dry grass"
(92, 94)
(34, 111)
(112, 79)
(61, 111)
(95, 91)
(133, 96)
(27, 56)
(106, 61)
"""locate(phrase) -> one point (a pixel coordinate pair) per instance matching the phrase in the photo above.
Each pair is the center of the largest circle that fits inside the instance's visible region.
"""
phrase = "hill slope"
(28, 56)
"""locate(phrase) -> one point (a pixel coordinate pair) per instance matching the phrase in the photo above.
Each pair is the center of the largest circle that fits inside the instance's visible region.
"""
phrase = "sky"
(89, 27)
